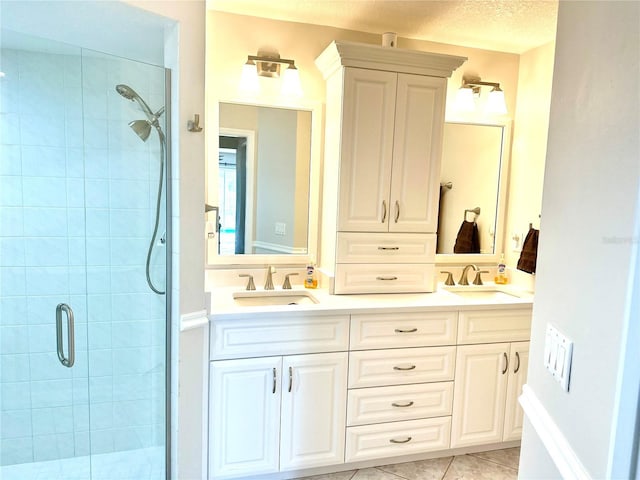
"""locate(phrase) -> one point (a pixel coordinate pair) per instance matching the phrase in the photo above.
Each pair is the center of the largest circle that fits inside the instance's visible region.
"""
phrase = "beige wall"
(529, 145)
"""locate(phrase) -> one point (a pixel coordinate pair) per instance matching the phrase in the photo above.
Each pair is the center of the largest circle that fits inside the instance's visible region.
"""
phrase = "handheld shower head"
(130, 94)
(126, 91)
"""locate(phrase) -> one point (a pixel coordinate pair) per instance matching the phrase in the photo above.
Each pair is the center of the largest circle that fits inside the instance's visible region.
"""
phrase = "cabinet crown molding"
(351, 54)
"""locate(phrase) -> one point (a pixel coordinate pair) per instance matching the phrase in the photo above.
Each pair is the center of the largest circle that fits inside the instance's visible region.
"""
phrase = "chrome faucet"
(268, 285)
(463, 278)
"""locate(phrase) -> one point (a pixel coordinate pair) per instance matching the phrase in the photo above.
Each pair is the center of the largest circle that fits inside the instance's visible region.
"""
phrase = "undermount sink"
(273, 297)
(484, 294)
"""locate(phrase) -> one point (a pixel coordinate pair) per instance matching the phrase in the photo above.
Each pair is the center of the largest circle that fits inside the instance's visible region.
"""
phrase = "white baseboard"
(560, 451)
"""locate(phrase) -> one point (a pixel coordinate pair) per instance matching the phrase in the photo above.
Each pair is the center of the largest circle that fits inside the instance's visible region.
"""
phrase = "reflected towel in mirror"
(468, 239)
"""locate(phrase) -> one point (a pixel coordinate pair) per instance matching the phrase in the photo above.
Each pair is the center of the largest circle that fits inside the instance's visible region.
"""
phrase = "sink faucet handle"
(250, 284)
(449, 280)
(478, 279)
(287, 284)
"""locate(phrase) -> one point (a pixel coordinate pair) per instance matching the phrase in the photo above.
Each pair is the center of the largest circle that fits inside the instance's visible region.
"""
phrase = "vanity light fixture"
(269, 65)
(470, 89)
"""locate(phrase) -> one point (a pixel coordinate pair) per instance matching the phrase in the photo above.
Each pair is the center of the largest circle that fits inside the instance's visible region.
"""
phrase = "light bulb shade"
(464, 100)
(496, 104)
(142, 128)
(249, 83)
(291, 86)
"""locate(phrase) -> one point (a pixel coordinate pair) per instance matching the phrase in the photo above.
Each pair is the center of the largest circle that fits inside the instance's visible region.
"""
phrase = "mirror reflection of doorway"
(232, 179)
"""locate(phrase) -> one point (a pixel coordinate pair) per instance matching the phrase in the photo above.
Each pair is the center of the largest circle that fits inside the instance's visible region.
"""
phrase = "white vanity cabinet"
(277, 413)
(489, 376)
(383, 142)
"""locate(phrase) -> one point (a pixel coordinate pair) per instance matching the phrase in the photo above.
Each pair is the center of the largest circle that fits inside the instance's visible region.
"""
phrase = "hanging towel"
(529, 254)
(468, 239)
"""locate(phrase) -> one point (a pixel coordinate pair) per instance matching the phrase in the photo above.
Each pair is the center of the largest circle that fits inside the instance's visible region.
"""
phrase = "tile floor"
(493, 465)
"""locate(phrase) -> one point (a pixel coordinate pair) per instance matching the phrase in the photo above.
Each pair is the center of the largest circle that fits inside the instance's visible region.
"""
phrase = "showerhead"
(126, 91)
(130, 94)
(142, 128)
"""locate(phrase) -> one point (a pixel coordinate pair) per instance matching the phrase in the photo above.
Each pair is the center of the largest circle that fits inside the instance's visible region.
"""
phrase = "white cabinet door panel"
(244, 423)
(314, 394)
(513, 417)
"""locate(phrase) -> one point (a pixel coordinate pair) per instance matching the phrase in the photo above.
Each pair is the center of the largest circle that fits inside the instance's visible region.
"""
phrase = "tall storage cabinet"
(385, 115)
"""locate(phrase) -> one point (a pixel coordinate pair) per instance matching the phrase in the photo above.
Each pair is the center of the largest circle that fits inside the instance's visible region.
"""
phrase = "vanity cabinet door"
(366, 151)
(479, 394)
(518, 366)
(417, 150)
(244, 423)
(314, 395)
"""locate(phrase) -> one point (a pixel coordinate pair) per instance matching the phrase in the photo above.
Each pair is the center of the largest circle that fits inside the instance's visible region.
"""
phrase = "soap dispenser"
(501, 275)
(310, 278)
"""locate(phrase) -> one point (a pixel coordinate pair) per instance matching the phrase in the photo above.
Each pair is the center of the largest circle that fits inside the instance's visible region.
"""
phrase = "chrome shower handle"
(70, 360)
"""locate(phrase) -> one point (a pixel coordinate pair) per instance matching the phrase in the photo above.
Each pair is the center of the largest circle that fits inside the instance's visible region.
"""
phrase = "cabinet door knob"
(410, 367)
(412, 330)
(406, 440)
(506, 363)
(402, 405)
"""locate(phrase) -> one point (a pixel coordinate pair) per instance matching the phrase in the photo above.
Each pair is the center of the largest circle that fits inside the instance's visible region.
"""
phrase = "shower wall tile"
(101, 415)
(16, 450)
(45, 130)
(100, 335)
(97, 193)
(51, 393)
(72, 71)
(95, 104)
(81, 383)
(95, 133)
(131, 334)
(128, 251)
(101, 441)
(42, 337)
(48, 421)
(44, 192)
(129, 223)
(40, 161)
(99, 308)
(81, 417)
(97, 222)
(11, 160)
(15, 396)
(101, 362)
(77, 251)
(13, 311)
(76, 222)
(132, 387)
(9, 94)
(130, 164)
(98, 250)
(14, 367)
(41, 309)
(96, 163)
(47, 280)
(52, 447)
(11, 192)
(46, 366)
(75, 193)
(10, 128)
(11, 220)
(75, 162)
(129, 194)
(12, 252)
(12, 281)
(46, 222)
(74, 131)
(128, 280)
(15, 423)
(14, 339)
(101, 389)
(46, 251)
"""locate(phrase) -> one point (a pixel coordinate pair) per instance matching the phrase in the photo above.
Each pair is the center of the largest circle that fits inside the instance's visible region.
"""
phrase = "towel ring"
(472, 210)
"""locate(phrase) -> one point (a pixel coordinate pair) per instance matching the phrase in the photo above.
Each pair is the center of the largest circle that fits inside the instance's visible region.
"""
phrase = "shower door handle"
(66, 361)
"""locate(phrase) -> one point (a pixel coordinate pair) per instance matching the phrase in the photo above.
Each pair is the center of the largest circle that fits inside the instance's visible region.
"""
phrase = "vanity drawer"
(386, 247)
(400, 366)
(487, 326)
(392, 330)
(397, 438)
(400, 402)
(265, 336)
(384, 278)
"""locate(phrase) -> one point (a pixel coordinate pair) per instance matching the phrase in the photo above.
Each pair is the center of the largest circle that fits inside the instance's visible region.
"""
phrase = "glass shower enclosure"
(83, 263)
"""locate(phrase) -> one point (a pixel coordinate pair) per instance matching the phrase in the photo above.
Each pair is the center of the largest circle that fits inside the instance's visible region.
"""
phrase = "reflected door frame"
(250, 136)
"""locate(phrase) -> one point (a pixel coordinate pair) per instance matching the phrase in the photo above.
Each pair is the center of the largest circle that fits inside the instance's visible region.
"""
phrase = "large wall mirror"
(265, 194)
(472, 192)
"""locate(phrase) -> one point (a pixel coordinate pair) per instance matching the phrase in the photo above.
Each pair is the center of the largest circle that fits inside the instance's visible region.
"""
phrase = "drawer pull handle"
(402, 405)
(290, 378)
(412, 330)
(384, 211)
(397, 211)
(406, 440)
(387, 278)
(506, 363)
(410, 367)
(515, 370)
(388, 248)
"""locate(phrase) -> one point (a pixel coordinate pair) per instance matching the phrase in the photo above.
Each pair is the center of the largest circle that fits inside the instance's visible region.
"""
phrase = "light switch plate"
(558, 352)
(280, 228)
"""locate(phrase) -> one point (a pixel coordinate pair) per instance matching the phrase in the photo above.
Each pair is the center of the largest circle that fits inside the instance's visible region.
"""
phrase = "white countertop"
(223, 306)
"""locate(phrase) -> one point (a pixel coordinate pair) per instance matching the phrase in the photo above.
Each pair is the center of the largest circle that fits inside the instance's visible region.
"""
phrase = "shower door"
(82, 335)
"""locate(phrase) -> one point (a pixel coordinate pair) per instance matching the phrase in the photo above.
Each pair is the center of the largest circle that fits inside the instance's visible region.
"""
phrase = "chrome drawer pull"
(406, 440)
(387, 278)
(411, 367)
(399, 330)
(394, 404)
(388, 248)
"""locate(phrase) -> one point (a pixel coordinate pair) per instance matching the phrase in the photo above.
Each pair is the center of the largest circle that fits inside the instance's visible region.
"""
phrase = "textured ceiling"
(513, 26)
